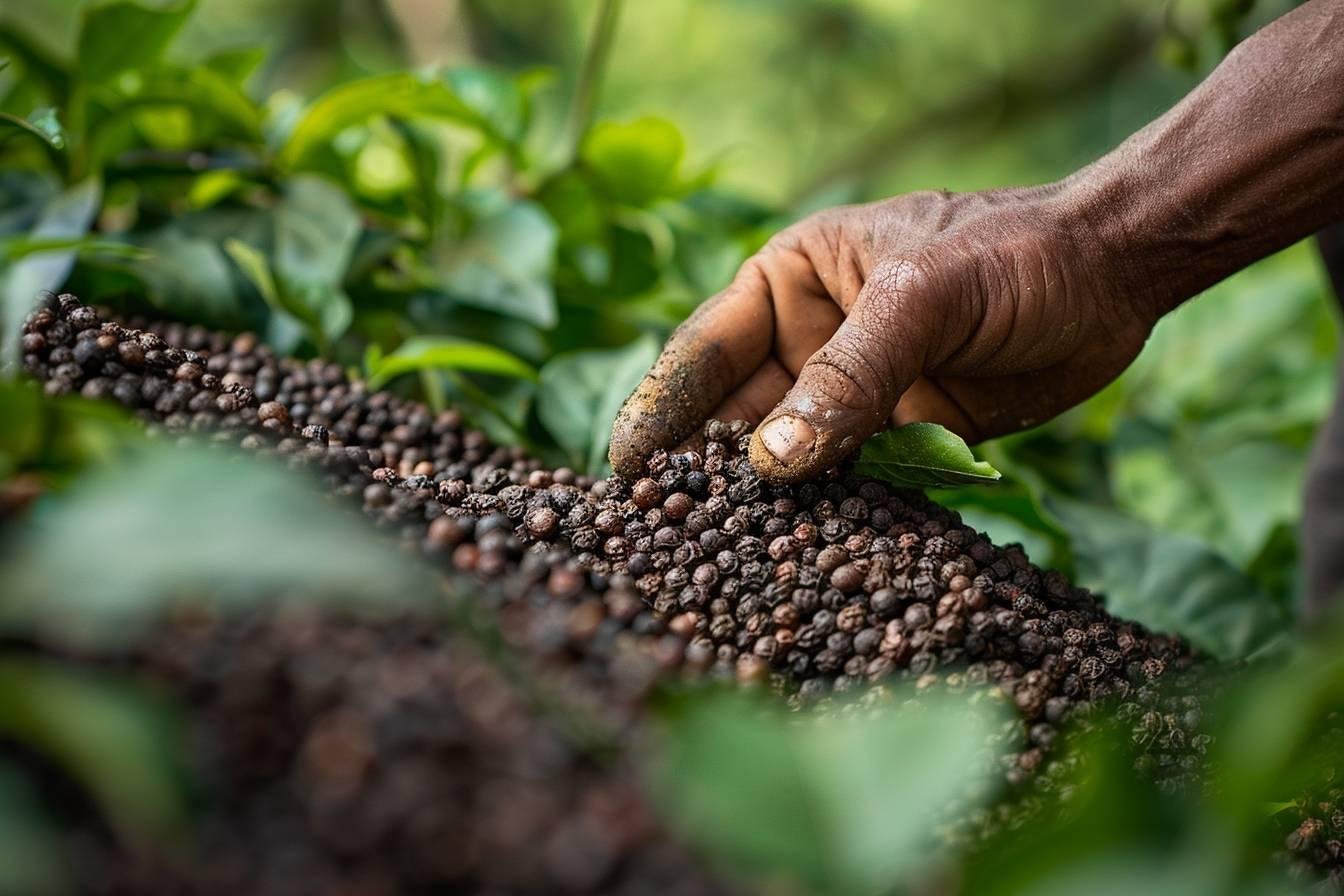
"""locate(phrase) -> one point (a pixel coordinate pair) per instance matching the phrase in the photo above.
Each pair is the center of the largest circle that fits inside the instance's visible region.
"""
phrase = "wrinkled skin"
(983, 312)
(992, 312)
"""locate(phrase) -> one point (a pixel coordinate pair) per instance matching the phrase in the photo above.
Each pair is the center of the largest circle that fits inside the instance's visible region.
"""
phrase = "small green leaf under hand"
(923, 455)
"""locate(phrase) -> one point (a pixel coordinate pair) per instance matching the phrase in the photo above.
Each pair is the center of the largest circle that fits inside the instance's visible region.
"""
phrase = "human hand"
(984, 312)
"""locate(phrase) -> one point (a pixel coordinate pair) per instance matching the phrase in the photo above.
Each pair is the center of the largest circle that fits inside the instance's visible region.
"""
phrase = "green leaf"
(316, 227)
(238, 65)
(13, 250)
(321, 310)
(441, 353)
(635, 162)
(68, 216)
(504, 264)
(188, 277)
(581, 393)
(121, 35)
(254, 266)
(98, 561)
(828, 802)
(44, 125)
(1169, 582)
(39, 64)
(31, 851)
(922, 455)
(119, 746)
(398, 94)
(210, 97)
(495, 98)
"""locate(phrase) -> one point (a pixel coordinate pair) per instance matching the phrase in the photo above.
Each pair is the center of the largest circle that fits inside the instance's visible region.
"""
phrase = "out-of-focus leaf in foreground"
(109, 737)
(175, 522)
(840, 805)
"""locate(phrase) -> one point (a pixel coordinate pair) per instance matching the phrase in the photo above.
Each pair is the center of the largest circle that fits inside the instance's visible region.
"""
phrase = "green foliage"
(923, 455)
(1170, 582)
(107, 735)
(103, 558)
(421, 353)
(829, 803)
(424, 222)
(395, 204)
(582, 391)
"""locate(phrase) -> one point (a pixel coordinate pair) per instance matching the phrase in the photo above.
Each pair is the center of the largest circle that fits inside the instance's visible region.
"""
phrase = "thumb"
(848, 389)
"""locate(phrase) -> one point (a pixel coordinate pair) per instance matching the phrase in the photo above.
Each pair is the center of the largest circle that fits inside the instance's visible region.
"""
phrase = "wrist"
(1110, 226)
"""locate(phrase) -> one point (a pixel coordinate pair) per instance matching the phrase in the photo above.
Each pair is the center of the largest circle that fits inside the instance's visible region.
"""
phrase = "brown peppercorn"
(646, 494)
(849, 577)
(677, 506)
(542, 523)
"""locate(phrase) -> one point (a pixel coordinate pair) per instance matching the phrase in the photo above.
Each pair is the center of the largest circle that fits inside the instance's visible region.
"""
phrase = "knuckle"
(843, 374)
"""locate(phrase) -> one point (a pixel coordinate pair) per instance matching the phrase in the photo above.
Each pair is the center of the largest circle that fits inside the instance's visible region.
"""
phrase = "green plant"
(409, 204)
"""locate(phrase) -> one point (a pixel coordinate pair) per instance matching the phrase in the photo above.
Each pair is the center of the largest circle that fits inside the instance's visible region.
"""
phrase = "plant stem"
(590, 76)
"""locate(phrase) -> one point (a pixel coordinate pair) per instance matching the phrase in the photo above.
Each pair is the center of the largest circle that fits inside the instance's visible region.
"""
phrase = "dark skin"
(993, 312)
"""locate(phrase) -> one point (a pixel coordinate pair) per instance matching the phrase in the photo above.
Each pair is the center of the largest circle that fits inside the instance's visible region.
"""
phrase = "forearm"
(1248, 163)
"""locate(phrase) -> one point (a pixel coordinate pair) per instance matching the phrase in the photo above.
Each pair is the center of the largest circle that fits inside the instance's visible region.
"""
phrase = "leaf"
(238, 65)
(398, 94)
(316, 227)
(1169, 582)
(581, 393)
(121, 35)
(504, 264)
(30, 848)
(323, 311)
(118, 745)
(496, 99)
(68, 216)
(830, 802)
(44, 125)
(634, 162)
(189, 277)
(96, 562)
(39, 64)
(922, 455)
(210, 98)
(257, 270)
(13, 250)
(441, 353)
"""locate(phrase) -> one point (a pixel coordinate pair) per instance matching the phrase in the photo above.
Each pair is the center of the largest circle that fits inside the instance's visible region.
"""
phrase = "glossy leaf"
(581, 393)
(188, 276)
(44, 125)
(442, 353)
(923, 455)
(121, 35)
(634, 162)
(398, 94)
(504, 264)
(316, 227)
(68, 216)
(210, 98)
(1169, 582)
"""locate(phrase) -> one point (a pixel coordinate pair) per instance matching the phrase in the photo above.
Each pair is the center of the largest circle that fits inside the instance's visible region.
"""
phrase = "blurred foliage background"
(506, 206)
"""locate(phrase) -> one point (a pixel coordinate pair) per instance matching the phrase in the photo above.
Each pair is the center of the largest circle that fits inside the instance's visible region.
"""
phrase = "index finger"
(707, 356)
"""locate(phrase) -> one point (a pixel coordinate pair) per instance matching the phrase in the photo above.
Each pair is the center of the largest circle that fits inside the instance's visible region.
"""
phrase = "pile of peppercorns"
(343, 755)
(1315, 843)
(698, 569)
(816, 587)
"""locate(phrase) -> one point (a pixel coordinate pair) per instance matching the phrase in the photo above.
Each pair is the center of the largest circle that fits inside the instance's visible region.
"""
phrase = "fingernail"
(787, 438)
